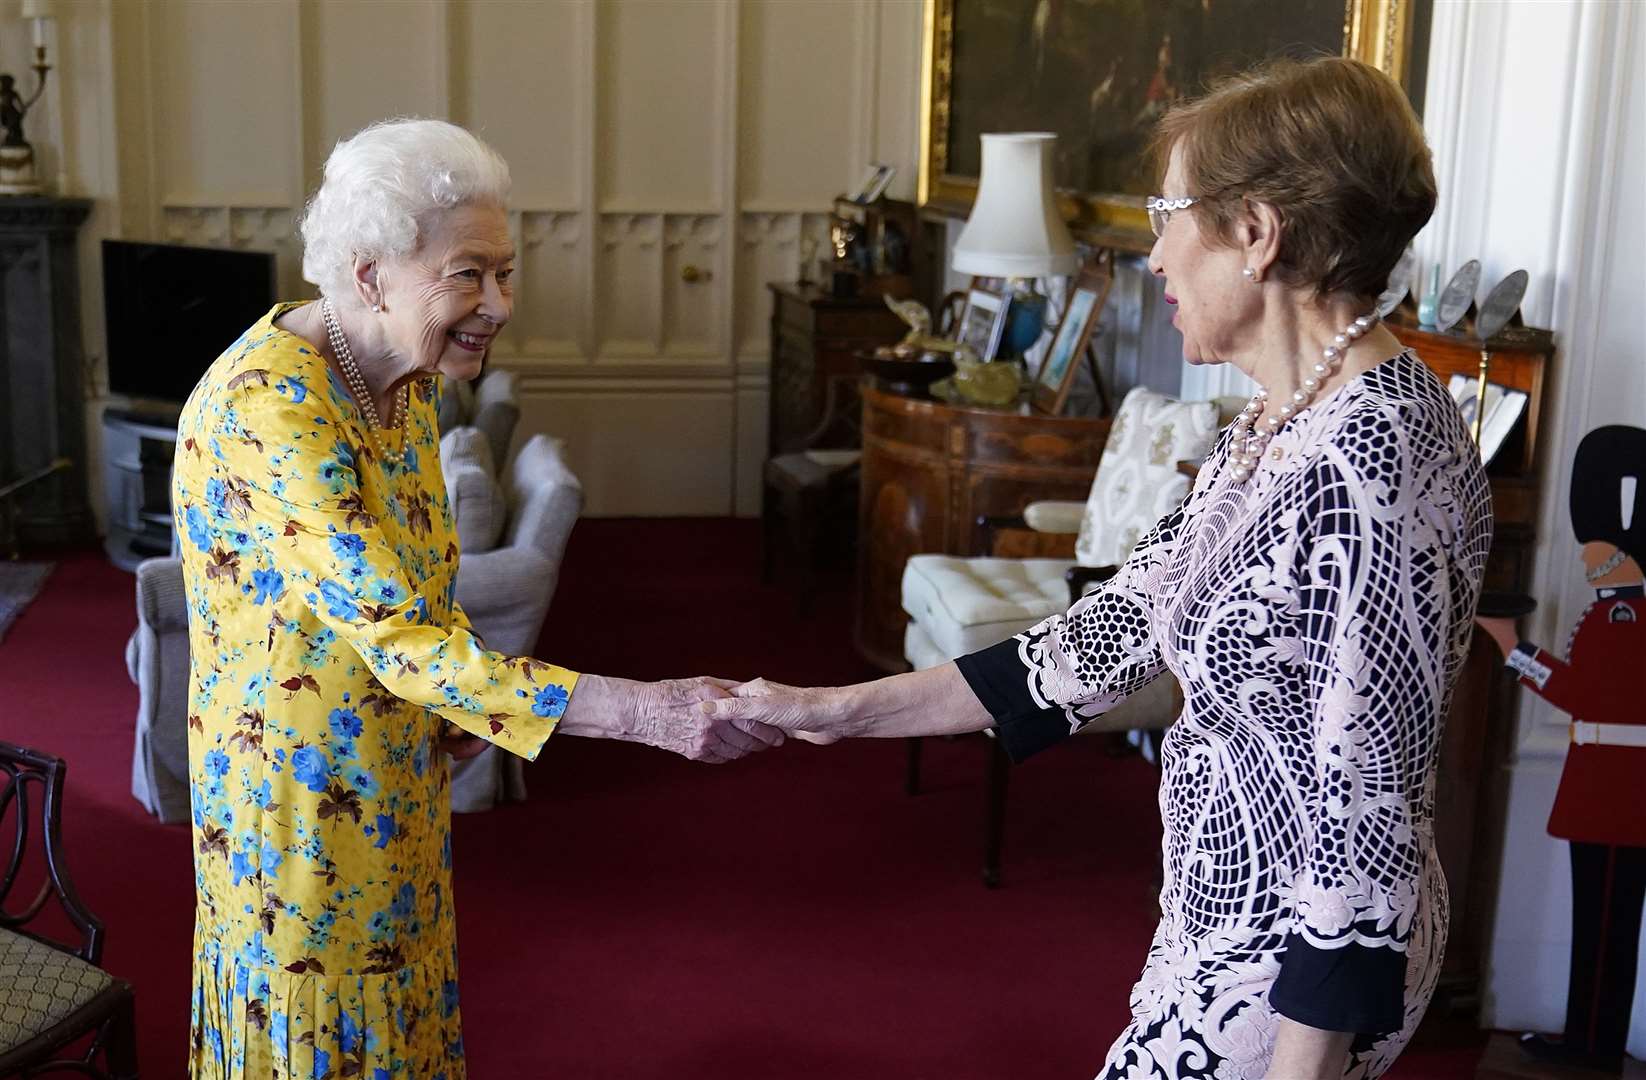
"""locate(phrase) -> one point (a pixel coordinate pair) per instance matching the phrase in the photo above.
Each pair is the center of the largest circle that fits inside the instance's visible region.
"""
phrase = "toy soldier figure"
(1599, 807)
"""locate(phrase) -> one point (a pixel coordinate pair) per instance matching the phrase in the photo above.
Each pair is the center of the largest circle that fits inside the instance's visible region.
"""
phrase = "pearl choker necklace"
(357, 386)
(1246, 444)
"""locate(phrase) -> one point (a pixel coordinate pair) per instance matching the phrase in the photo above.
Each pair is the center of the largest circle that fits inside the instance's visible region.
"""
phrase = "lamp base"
(1025, 319)
(17, 171)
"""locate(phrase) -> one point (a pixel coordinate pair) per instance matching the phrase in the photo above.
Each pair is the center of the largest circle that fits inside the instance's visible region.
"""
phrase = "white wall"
(644, 136)
(1537, 115)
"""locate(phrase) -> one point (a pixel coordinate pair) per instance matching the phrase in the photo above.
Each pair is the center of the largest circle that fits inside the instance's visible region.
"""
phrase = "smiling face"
(443, 304)
(1216, 306)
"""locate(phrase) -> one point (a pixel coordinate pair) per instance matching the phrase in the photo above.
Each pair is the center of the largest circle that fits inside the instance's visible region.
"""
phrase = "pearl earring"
(377, 307)
(1250, 274)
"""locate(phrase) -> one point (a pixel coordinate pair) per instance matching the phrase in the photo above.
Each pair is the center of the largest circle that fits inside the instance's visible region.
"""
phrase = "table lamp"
(1015, 231)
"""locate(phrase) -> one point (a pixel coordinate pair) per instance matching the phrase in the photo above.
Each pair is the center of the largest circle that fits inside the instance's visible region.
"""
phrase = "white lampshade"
(39, 9)
(1015, 229)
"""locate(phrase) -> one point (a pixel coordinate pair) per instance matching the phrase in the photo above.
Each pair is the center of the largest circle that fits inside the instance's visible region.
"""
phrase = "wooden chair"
(56, 994)
(810, 493)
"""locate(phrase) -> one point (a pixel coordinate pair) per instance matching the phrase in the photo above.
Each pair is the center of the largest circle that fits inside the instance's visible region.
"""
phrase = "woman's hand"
(460, 744)
(810, 715)
(1502, 631)
(667, 715)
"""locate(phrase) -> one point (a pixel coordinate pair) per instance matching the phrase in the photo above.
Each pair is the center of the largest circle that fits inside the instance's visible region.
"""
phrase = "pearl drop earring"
(1250, 274)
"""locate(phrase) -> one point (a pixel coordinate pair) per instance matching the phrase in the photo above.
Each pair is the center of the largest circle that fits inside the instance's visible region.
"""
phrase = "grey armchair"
(505, 592)
(157, 658)
(489, 404)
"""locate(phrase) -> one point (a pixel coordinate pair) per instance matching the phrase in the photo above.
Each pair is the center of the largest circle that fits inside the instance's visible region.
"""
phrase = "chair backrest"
(544, 497)
(490, 404)
(1137, 480)
(30, 779)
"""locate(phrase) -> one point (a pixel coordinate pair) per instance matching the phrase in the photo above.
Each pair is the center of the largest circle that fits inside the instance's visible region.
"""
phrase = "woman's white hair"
(381, 185)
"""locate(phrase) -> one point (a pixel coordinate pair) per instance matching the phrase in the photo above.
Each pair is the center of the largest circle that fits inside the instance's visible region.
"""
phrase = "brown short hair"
(1332, 144)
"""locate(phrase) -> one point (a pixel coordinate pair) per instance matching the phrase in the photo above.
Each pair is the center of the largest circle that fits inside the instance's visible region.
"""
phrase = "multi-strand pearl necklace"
(357, 386)
(1246, 445)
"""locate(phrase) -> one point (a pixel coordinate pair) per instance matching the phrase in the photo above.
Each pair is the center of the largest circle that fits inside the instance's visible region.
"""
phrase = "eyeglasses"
(1160, 210)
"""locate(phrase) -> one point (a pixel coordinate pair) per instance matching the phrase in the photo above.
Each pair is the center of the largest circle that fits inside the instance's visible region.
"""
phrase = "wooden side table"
(930, 471)
(814, 337)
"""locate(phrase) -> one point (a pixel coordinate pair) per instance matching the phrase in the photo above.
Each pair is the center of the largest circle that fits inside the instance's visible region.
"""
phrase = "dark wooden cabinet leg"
(994, 827)
(911, 777)
(122, 1045)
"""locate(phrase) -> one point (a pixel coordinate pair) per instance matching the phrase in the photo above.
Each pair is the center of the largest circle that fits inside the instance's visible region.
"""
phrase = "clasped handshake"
(718, 720)
(703, 719)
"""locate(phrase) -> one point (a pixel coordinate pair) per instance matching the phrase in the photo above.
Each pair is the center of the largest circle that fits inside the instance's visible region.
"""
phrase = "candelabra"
(17, 165)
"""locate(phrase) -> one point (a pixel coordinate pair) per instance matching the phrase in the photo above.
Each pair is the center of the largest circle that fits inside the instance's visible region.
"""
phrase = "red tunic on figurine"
(1600, 684)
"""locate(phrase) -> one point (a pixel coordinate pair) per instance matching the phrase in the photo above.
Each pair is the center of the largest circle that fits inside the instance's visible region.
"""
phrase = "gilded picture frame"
(1376, 31)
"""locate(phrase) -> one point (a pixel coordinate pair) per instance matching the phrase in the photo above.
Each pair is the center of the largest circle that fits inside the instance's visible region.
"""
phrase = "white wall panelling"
(1536, 114)
(645, 137)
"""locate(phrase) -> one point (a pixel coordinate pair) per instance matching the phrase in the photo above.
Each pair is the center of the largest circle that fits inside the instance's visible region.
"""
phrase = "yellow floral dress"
(327, 649)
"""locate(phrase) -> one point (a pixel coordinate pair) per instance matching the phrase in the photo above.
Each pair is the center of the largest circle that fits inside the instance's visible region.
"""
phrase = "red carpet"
(791, 917)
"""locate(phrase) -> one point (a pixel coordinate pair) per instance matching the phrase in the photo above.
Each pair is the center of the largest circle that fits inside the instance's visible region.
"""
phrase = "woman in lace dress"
(1313, 595)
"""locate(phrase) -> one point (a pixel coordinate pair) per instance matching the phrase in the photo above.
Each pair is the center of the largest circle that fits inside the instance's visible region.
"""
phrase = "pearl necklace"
(357, 386)
(1246, 445)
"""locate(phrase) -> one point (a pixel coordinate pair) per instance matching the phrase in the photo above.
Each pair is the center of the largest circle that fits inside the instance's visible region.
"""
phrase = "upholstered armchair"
(489, 404)
(512, 535)
(957, 605)
(52, 994)
(506, 578)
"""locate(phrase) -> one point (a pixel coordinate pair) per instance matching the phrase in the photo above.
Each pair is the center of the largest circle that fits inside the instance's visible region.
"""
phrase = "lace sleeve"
(1388, 569)
(1046, 683)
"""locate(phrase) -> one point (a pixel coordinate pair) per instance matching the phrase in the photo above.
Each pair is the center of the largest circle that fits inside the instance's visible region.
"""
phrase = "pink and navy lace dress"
(1317, 617)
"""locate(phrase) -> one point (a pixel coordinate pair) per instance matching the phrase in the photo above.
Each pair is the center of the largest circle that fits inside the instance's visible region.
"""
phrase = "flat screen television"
(171, 310)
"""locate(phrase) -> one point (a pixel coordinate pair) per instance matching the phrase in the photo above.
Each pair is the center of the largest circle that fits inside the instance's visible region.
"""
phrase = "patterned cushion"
(1137, 481)
(476, 498)
(40, 987)
(969, 604)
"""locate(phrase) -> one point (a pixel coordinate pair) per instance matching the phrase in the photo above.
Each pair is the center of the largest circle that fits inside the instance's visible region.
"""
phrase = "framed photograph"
(876, 178)
(1101, 73)
(1503, 407)
(882, 180)
(982, 320)
(1087, 295)
(859, 194)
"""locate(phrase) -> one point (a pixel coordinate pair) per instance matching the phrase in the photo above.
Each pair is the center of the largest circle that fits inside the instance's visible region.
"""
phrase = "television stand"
(138, 447)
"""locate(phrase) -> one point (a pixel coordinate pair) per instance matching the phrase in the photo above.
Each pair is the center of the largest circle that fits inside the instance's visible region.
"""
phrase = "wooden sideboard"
(930, 470)
(815, 339)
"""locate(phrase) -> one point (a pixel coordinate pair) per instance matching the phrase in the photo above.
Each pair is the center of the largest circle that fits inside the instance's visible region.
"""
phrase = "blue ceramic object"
(1025, 319)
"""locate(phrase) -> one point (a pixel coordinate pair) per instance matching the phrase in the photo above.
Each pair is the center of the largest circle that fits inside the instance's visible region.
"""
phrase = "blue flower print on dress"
(217, 762)
(199, 531)
(348, 546)
(292, 387)
(310, 767)
(339, 603)
(270, 584)
(386, 830)
(346, 724)
(550, 701)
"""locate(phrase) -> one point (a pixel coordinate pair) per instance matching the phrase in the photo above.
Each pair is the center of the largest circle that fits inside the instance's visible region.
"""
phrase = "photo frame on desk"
(1081, 311)
(876, 178)
(982, 321)
(1503, 407)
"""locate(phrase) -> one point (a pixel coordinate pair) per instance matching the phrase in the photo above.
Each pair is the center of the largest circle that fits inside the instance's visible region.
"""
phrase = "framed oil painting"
(1101, 72)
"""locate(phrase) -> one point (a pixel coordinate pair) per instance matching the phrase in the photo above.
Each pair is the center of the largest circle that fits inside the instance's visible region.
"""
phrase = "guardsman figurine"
(1599, 806)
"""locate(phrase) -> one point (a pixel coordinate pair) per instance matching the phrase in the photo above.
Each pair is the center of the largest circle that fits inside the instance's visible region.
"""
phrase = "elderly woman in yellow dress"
(331, 664)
